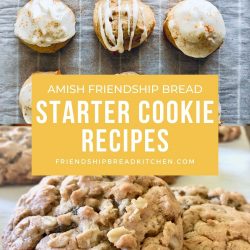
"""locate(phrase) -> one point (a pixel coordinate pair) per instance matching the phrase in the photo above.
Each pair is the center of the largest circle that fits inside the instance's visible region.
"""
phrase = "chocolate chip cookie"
(96, 213)
(15, 156)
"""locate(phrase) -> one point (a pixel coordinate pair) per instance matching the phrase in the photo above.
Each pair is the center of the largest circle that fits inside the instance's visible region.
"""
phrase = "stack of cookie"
(127, 212)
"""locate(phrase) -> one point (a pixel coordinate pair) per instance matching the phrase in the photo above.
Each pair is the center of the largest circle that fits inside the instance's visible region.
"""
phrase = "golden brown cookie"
(210, 226)
(15, 156)
(168, 178)
(45, 25)
(25, 97)
(76, 212)
(229, 133)
(122, 25)
(128, 73)
(195, 27)
(189, 196)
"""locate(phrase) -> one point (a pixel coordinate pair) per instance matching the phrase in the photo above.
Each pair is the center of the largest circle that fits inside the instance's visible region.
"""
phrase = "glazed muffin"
(122, 25)
(99, 213)
(45, 25)
(15, 156)
(25, 97)
(196, 27)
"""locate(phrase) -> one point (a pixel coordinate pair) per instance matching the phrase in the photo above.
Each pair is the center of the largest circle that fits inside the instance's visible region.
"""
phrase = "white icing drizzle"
(106, 29)
(129, 17)
(108, 25)
(135, 20)
(120, 40)
(145, 33)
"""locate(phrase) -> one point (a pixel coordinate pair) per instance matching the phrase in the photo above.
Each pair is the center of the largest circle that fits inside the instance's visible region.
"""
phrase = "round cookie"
(229, 133)
(210, 226)
(96, 213)
(195, 27)
(128, 73)
(45, 25)
(169, 179)
(189, 196)
(122, 25)
(25, 97)
(15, 156)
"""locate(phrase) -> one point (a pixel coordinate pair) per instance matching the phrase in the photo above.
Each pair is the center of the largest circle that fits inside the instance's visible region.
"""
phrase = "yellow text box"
(125, 125)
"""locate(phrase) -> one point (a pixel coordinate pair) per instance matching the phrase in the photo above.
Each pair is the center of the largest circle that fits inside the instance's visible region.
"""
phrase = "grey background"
(85, 55)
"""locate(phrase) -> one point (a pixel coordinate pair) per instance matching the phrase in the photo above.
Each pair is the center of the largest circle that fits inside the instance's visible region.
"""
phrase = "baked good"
(15, 156)
(25, 97)
(128, 73)
(168, 178)
(96, 213)
(210, 226)
(196, 27)
(213, 219)
(189, 196)
(45, 25)
(229, 133)
(122, 25)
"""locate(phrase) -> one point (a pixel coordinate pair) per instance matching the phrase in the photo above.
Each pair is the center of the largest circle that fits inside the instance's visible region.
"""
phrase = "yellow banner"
(125, 124)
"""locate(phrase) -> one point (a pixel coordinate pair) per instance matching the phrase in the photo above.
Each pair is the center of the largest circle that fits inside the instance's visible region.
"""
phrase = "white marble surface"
(234, 175)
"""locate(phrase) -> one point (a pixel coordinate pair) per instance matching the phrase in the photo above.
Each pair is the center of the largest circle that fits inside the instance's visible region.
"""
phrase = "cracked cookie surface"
(211, 226)
(15, 155)
(98, 213)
